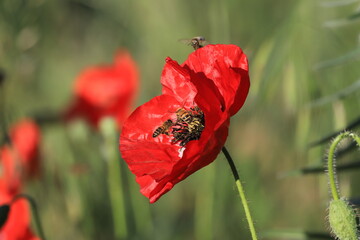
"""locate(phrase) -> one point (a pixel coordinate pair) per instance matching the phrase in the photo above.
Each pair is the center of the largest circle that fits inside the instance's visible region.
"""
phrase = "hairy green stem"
(34, 211)
(330, 165)
(241, 193)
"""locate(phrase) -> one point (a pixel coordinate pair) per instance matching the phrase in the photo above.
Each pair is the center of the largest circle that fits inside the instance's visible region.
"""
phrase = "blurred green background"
(302, 55)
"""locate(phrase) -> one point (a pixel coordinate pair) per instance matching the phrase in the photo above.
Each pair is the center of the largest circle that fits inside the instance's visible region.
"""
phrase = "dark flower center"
(188, 126)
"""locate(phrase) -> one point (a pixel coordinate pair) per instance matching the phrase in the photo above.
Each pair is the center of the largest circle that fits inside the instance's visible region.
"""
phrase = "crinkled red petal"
(227, 66)
(176, 81)
(144, 154)
(184, 84)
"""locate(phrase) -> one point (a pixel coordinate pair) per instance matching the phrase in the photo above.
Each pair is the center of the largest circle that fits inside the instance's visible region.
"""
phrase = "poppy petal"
(144, 154)
(227, 66)
(17, 225)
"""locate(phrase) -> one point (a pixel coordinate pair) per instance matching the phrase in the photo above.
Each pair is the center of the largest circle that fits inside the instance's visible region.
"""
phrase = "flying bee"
(195, 42)
(163, 129)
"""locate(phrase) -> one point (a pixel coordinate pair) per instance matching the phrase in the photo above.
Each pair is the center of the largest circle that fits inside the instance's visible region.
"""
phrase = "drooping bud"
(342, 220)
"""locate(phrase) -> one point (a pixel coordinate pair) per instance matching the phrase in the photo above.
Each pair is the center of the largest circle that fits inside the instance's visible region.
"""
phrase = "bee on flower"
(181, 131)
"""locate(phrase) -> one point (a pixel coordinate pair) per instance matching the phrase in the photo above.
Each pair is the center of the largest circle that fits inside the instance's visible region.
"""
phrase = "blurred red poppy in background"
(17, 225)
(11, 170)
(25, 140)
(177, 133)
(20, 159)
(107, 90)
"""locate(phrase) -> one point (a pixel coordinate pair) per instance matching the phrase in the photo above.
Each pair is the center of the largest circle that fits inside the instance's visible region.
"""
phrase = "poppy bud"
(342, 220)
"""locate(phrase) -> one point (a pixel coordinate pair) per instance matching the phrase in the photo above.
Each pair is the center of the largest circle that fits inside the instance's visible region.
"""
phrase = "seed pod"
(342, 220)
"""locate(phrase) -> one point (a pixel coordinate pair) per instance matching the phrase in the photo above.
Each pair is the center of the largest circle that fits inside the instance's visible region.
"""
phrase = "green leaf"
(336, 96)
(352, 55)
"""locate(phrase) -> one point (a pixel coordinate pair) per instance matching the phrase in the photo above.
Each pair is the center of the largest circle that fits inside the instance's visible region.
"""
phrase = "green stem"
(241, 193)
(331, 169)
(34, 211)
(117, 199)
(3, 123)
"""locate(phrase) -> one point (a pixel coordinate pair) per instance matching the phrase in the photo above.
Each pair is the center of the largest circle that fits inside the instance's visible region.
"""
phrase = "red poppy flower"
(17, 225)
(25, 140)
(105, 91)
(20, 159)
(177, 133)
(11, 170)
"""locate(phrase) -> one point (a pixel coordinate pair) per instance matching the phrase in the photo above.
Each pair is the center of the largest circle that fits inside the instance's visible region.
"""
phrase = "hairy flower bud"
(342, 220)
